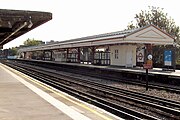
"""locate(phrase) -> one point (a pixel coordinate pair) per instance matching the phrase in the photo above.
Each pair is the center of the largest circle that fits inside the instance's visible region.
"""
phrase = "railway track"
(108, 77)
(168, 109)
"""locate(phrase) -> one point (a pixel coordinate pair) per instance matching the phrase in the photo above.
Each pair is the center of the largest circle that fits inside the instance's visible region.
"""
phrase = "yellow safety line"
(57, 93)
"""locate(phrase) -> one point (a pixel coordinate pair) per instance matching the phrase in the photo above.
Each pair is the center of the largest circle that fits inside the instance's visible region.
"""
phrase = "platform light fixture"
(30, 22)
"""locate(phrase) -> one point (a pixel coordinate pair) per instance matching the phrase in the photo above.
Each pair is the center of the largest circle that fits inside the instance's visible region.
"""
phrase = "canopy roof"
(14, 23)
(149, 34)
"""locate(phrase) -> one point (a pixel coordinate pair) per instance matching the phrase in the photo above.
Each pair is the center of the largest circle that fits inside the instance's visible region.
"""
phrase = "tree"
(13, 51)
(156, 16)
(33, 42)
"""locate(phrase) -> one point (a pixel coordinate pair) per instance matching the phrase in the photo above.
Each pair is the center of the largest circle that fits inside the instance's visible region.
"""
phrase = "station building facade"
(116, 48)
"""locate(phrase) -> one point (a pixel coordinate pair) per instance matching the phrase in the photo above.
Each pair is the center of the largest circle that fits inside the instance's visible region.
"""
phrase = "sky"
(81, 18)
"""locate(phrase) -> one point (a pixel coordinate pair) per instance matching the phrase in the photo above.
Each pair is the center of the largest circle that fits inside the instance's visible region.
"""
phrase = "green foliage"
(33, 42)
(156, 16)
(13, 51)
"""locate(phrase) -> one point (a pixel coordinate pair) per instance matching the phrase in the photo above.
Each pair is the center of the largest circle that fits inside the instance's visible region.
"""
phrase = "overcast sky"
(80, 18)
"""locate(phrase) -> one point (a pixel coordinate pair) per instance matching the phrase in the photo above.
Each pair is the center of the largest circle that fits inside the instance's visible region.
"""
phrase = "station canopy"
(14, 23)
(149, 34)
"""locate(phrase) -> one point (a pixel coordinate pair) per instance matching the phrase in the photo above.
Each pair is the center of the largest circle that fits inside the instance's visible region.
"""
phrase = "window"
(116, 54)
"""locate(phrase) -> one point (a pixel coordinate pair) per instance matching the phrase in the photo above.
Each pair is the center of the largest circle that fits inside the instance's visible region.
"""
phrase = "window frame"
(116, 52)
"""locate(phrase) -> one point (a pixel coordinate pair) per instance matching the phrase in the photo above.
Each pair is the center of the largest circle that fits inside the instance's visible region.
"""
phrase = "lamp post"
(148, 66)
(149, 63)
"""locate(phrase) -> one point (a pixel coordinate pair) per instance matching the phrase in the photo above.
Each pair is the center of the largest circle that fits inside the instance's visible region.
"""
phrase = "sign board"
(140, 55)
(147, 66)
(168, 57)
(149, 57)
(149, 62)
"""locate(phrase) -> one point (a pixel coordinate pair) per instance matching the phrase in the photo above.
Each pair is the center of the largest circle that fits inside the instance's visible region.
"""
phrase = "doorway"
(129, 58)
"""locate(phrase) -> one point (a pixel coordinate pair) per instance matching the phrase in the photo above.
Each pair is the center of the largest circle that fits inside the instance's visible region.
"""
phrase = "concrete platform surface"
(23, 98)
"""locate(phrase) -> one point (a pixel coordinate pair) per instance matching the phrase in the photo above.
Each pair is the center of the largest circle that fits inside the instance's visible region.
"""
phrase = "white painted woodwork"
(126, 55)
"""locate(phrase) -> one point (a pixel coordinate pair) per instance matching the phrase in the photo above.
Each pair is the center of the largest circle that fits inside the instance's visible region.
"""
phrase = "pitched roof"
(119, 34)
(94, 38)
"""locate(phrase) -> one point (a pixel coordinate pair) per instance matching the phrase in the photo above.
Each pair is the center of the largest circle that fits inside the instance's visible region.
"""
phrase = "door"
(129, 58)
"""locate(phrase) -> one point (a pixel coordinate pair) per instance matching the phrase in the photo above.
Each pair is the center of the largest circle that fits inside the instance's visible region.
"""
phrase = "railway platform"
(139, 70)
(24, 98)
(134, 70)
